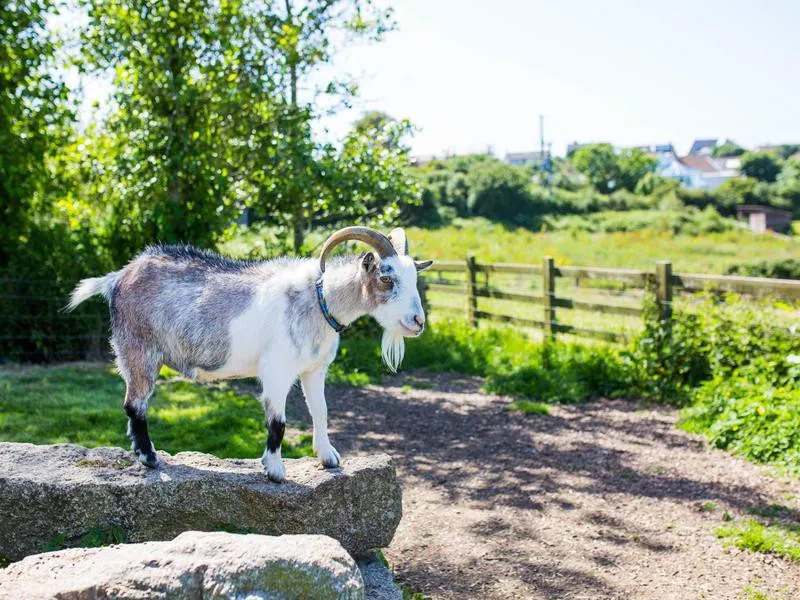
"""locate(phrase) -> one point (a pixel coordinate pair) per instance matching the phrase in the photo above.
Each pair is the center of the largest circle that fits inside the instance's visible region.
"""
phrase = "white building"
(697, 171)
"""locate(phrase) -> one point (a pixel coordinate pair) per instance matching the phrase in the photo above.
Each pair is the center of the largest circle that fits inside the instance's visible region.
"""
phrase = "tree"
(180, 81)
(726, 149)
(378, 124)
(633, 165)
(762, 166)
(33, 115)
(599, 164)
(307, 38)
(500, 192)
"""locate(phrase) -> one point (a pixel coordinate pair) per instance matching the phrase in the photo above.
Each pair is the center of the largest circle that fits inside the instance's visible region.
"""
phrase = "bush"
(779, 269)
(751, 405)
(500, 192)
(688, 221)
(510, 361)
(666, 362)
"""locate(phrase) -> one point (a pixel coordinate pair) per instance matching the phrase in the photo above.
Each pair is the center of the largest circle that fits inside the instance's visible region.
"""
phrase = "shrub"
(781, 269)
(666, 361)
(500, 192)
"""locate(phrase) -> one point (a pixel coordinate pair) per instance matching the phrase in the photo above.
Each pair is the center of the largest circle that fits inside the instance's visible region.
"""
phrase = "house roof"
(746, 209)
(699, 145)
(700, 163)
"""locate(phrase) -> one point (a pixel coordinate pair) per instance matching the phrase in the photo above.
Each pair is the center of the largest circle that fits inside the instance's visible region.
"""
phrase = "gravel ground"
(600, 500)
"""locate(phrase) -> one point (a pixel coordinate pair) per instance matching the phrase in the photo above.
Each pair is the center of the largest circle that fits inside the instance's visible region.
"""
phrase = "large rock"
(193, 565)
(63, 493)
(379, 583)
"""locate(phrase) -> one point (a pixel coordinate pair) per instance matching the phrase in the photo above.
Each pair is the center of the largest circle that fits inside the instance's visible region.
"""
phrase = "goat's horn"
(363, 234)
(399, 241)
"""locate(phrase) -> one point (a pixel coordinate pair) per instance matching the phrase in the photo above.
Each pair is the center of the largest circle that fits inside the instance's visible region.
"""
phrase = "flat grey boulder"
(193, 565)
(60, 495)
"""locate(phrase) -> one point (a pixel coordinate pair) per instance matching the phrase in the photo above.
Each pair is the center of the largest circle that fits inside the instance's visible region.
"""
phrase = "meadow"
(495, 242)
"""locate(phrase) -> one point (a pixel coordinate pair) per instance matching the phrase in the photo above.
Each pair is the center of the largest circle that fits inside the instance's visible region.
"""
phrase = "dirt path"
(595, 501)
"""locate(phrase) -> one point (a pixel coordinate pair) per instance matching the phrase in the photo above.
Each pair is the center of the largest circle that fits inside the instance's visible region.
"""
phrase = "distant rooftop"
(700, 147)
(532, 155)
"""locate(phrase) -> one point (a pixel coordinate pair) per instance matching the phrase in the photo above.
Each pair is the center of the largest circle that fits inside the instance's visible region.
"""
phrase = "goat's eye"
(386, 279)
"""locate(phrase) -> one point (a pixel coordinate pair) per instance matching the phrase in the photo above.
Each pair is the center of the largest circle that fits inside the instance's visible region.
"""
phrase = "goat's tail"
(90, 287)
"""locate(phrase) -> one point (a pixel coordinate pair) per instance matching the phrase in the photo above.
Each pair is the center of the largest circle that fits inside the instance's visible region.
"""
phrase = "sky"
(474, 74)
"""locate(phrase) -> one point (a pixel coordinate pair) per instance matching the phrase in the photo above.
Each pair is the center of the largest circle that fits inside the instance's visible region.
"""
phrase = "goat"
(211, 317)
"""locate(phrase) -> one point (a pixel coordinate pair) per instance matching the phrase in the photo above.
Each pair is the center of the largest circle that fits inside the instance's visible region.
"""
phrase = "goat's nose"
(419, 320)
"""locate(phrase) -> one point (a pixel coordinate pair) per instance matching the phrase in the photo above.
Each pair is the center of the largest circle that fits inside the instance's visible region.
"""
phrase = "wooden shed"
(763, 218)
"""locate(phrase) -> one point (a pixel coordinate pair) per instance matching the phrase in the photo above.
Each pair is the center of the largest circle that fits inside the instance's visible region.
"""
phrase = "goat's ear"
(399, 241)
(422, 265)
(369, 262)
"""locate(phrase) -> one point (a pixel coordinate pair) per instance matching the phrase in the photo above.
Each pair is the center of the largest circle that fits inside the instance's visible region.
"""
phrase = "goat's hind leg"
(139, 370)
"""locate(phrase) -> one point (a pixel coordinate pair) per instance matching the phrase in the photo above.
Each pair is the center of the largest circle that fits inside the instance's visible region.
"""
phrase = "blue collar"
(323, 306)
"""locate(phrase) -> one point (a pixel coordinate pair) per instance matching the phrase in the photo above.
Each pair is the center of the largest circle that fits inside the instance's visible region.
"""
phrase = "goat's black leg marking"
(272, 456)
(137, 432)
(275, 437)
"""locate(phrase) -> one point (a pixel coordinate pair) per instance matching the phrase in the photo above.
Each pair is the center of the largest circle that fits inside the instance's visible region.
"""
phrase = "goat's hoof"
(274, 468)
(149, 460)
(277, 475)
(330, 458)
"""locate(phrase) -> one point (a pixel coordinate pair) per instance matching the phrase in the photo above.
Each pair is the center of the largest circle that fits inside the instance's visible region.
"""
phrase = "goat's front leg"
(313, 383)
(276, 381)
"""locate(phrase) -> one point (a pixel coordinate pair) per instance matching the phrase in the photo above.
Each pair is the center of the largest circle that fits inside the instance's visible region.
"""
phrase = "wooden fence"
(662, 281)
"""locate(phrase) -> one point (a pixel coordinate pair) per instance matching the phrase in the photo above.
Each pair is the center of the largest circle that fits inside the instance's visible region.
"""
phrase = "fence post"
(548, 293)
(472, 289)
(664, 291)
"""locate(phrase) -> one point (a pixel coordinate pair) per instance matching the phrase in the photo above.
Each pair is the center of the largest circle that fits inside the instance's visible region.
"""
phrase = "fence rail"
(662, 281)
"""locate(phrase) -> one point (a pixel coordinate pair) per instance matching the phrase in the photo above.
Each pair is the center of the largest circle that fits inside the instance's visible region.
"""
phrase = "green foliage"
(512, 363)
(607, 170)
(762, 166)
(33, 116)
(778, 539)
(634, 164)
(500, 192)
(529, 408)
(667, 360)
(788, 268)
(726, 149)
(758, 421)
(689, 221)
(599, 164)
(97, 537)
(751, 403)
(168, 175)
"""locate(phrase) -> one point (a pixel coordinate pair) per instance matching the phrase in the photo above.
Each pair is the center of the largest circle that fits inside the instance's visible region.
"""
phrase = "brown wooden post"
(472, 291)
(548, 294)
(422, 287)
(664, 291)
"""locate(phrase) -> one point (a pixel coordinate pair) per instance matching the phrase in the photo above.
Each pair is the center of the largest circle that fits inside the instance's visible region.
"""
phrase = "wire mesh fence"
(35, 328)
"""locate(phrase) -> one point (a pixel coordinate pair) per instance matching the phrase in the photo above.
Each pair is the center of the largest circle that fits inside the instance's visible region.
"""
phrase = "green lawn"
(82, 405)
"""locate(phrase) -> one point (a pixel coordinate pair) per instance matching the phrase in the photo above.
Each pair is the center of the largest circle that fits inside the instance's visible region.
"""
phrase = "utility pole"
(541, 136)
(544, 156)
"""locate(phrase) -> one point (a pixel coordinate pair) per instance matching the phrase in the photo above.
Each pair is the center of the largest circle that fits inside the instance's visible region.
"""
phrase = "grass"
(493, 242)
(529, 408)
(753, 593)
(82, 405)
(778, 539)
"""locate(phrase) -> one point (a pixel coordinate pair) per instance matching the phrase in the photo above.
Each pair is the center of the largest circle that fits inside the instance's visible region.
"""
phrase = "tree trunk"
(298, 218)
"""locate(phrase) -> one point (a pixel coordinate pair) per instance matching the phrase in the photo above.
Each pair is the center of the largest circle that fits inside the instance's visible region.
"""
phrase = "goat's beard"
(393, 347)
